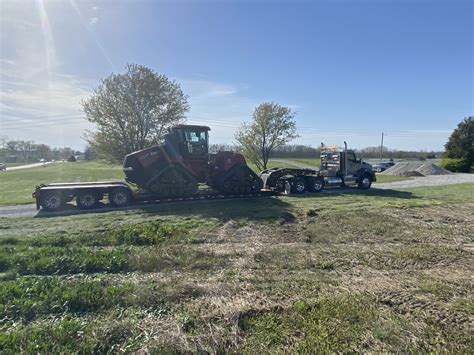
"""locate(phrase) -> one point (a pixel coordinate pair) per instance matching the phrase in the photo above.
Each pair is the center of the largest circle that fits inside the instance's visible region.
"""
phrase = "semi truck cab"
(343, 167)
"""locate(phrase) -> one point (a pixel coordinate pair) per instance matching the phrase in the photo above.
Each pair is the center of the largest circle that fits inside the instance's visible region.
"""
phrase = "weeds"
(290, 274)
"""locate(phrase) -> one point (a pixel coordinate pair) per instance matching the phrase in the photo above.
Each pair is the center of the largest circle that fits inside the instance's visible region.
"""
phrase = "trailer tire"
(298, 186)
(120, 197)
(87, 200)
(52, 201)
(365, 182)
(315, 184)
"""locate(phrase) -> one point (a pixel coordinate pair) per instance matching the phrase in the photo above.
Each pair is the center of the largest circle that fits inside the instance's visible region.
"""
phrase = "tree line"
(12, 151)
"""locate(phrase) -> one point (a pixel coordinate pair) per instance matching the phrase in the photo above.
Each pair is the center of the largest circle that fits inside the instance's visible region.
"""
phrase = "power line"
(43, 125)
(53, 120)
(39, 117)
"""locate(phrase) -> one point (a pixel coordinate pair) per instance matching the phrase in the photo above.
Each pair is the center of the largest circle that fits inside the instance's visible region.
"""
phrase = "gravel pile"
(432, 169)
(415, 169)
(400, 169)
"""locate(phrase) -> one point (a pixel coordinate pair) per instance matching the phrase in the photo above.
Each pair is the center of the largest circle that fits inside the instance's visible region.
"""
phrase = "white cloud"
(93, 20)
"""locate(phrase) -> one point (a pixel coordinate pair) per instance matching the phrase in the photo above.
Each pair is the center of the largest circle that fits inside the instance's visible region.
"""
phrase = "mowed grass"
(272, 164)
(17, 185)
(390, 178)
(316, 162)
(374, 271)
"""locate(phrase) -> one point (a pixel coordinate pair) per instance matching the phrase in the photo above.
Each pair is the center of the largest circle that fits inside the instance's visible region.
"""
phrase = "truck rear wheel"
(298, 186)
(52, 201)
(315, 184)
(119, 197)
(87, 200)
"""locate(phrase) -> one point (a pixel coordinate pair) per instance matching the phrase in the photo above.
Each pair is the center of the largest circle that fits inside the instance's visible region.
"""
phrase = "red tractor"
(176, 167)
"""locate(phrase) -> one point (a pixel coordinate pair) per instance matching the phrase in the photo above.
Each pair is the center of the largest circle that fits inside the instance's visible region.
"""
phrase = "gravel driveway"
(431, 180)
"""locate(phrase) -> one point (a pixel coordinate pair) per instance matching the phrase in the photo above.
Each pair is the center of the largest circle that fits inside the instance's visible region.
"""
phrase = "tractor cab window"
(196, 142)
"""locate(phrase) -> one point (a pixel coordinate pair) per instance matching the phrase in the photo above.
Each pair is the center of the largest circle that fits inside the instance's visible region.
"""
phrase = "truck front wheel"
(52, 201)
(119, 197)
(87, 200)
(365, 182)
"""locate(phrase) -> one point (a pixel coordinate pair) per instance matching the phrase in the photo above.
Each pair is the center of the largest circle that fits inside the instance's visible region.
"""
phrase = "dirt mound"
(415, 169)
(432, 169)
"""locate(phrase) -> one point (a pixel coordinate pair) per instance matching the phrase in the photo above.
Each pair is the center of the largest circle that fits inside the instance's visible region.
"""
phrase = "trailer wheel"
(119, 197)
(365, 182)
(298, 186)
(87, 200)
(52, 201)
(315, 184)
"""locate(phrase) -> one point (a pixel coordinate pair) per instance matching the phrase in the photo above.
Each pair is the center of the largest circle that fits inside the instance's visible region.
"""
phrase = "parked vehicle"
(3, 167)
(173, 171)
(382, 166)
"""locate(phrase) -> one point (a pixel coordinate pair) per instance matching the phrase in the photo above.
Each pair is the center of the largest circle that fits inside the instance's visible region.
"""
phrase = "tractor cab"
(189, 140)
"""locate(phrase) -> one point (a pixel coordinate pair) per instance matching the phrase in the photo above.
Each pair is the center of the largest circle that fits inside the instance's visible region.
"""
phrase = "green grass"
(390, 178)
(316, 162)
(352, 271)
(17, 185)
(272, 164)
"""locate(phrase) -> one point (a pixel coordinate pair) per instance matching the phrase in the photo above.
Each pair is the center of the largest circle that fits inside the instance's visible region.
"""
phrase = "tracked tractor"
(176, 167)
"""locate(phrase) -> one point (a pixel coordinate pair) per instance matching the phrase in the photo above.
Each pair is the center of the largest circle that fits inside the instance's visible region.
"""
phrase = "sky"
(349, 69)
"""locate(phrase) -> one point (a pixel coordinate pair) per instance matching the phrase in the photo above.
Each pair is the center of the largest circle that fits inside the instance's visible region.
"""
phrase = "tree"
(90, 153)
(132, 111)
(459, 154)
(461, 142)
(272, 126)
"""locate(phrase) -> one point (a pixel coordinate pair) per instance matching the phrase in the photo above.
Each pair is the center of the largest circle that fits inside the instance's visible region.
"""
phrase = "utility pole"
(381, 148)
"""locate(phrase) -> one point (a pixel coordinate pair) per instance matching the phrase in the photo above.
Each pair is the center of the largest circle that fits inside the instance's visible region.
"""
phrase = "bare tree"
(272, 126)
(133, 110)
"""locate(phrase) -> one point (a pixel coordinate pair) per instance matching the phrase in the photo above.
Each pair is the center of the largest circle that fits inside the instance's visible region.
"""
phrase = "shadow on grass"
(255, 208)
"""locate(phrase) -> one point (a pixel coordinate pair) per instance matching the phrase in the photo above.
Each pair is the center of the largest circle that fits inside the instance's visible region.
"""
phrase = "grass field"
(311, 162)
(17, 185)
(375, 271)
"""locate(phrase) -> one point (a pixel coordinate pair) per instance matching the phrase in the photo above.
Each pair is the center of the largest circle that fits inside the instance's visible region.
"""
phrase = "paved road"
(433, 180)
(35, 165)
